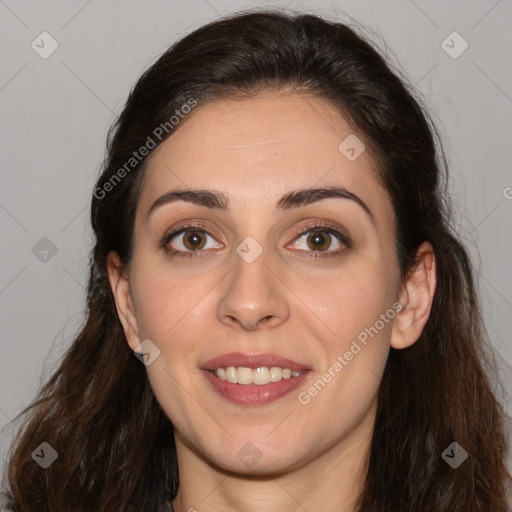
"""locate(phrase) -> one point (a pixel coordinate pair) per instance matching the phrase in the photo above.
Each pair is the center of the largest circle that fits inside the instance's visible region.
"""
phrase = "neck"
(331, 482)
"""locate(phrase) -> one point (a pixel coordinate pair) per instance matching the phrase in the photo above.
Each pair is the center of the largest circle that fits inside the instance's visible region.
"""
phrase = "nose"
(253, 296)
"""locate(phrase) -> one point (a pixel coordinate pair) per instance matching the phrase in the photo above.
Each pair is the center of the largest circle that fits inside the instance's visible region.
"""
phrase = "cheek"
(172, 309)
(159, 297)
(357, 316)
(351, 303)
(172, 312)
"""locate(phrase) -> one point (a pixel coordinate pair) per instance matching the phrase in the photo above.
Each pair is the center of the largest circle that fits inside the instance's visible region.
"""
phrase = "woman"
(274, 247)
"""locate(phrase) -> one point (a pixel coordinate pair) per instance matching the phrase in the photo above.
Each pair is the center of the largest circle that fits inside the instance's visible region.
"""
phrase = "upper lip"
(238, 359)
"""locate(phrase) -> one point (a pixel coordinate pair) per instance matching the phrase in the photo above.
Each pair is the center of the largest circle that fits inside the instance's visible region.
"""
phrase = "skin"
(308, 310)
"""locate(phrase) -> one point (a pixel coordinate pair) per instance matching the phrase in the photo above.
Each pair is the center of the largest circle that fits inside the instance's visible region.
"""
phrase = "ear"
(416, 296)
(120, 285)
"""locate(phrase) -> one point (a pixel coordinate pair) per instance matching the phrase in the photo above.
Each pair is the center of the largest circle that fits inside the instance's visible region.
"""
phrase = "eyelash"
(328, 228)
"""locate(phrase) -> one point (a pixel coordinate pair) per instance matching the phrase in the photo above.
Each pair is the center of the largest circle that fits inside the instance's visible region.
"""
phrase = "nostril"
(266, 320)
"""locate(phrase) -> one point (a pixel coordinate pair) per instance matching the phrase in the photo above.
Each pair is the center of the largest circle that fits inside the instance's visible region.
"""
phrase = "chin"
(264, 469)
(262, 461)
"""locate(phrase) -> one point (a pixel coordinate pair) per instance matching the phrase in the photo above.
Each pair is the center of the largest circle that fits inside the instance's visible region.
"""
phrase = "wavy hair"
(115, 445)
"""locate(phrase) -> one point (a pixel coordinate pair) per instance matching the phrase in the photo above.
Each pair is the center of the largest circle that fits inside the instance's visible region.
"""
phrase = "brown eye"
(319, 240)
(188, 241)
(194, 240)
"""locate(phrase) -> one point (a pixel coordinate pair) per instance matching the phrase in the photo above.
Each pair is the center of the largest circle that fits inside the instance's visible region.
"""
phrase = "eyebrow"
(296, 198)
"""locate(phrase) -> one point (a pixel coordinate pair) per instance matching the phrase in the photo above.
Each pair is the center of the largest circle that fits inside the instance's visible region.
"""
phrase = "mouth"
(258, 376)
(254, 379)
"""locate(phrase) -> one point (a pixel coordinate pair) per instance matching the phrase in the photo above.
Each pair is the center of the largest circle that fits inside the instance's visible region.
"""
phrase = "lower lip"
(252, 394)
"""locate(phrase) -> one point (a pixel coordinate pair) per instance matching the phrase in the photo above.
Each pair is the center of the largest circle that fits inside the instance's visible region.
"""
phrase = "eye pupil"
(194, 239)
(320, 240)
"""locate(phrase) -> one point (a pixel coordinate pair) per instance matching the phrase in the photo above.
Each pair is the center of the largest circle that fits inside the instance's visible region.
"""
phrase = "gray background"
(56, 112)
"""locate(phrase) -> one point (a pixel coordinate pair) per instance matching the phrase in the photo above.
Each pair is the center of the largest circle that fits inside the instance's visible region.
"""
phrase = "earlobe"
(120, 286)
(416, 297)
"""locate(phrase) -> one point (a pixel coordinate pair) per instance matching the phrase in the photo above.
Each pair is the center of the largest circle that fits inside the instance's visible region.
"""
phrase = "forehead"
(260, 148)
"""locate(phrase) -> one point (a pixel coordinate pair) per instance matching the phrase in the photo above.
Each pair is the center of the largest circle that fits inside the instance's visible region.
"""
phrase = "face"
(238, 277)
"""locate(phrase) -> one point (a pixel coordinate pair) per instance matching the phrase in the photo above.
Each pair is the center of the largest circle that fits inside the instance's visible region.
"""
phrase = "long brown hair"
(115, 445)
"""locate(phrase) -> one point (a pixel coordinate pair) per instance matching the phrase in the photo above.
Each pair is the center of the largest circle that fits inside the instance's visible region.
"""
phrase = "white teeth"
(276, 374)
(258, 376)
(244, 376)
(261, 376)
(231, 374)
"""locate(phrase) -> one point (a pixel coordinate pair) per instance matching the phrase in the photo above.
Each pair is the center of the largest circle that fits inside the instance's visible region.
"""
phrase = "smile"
(254, 379)
(259, 376)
